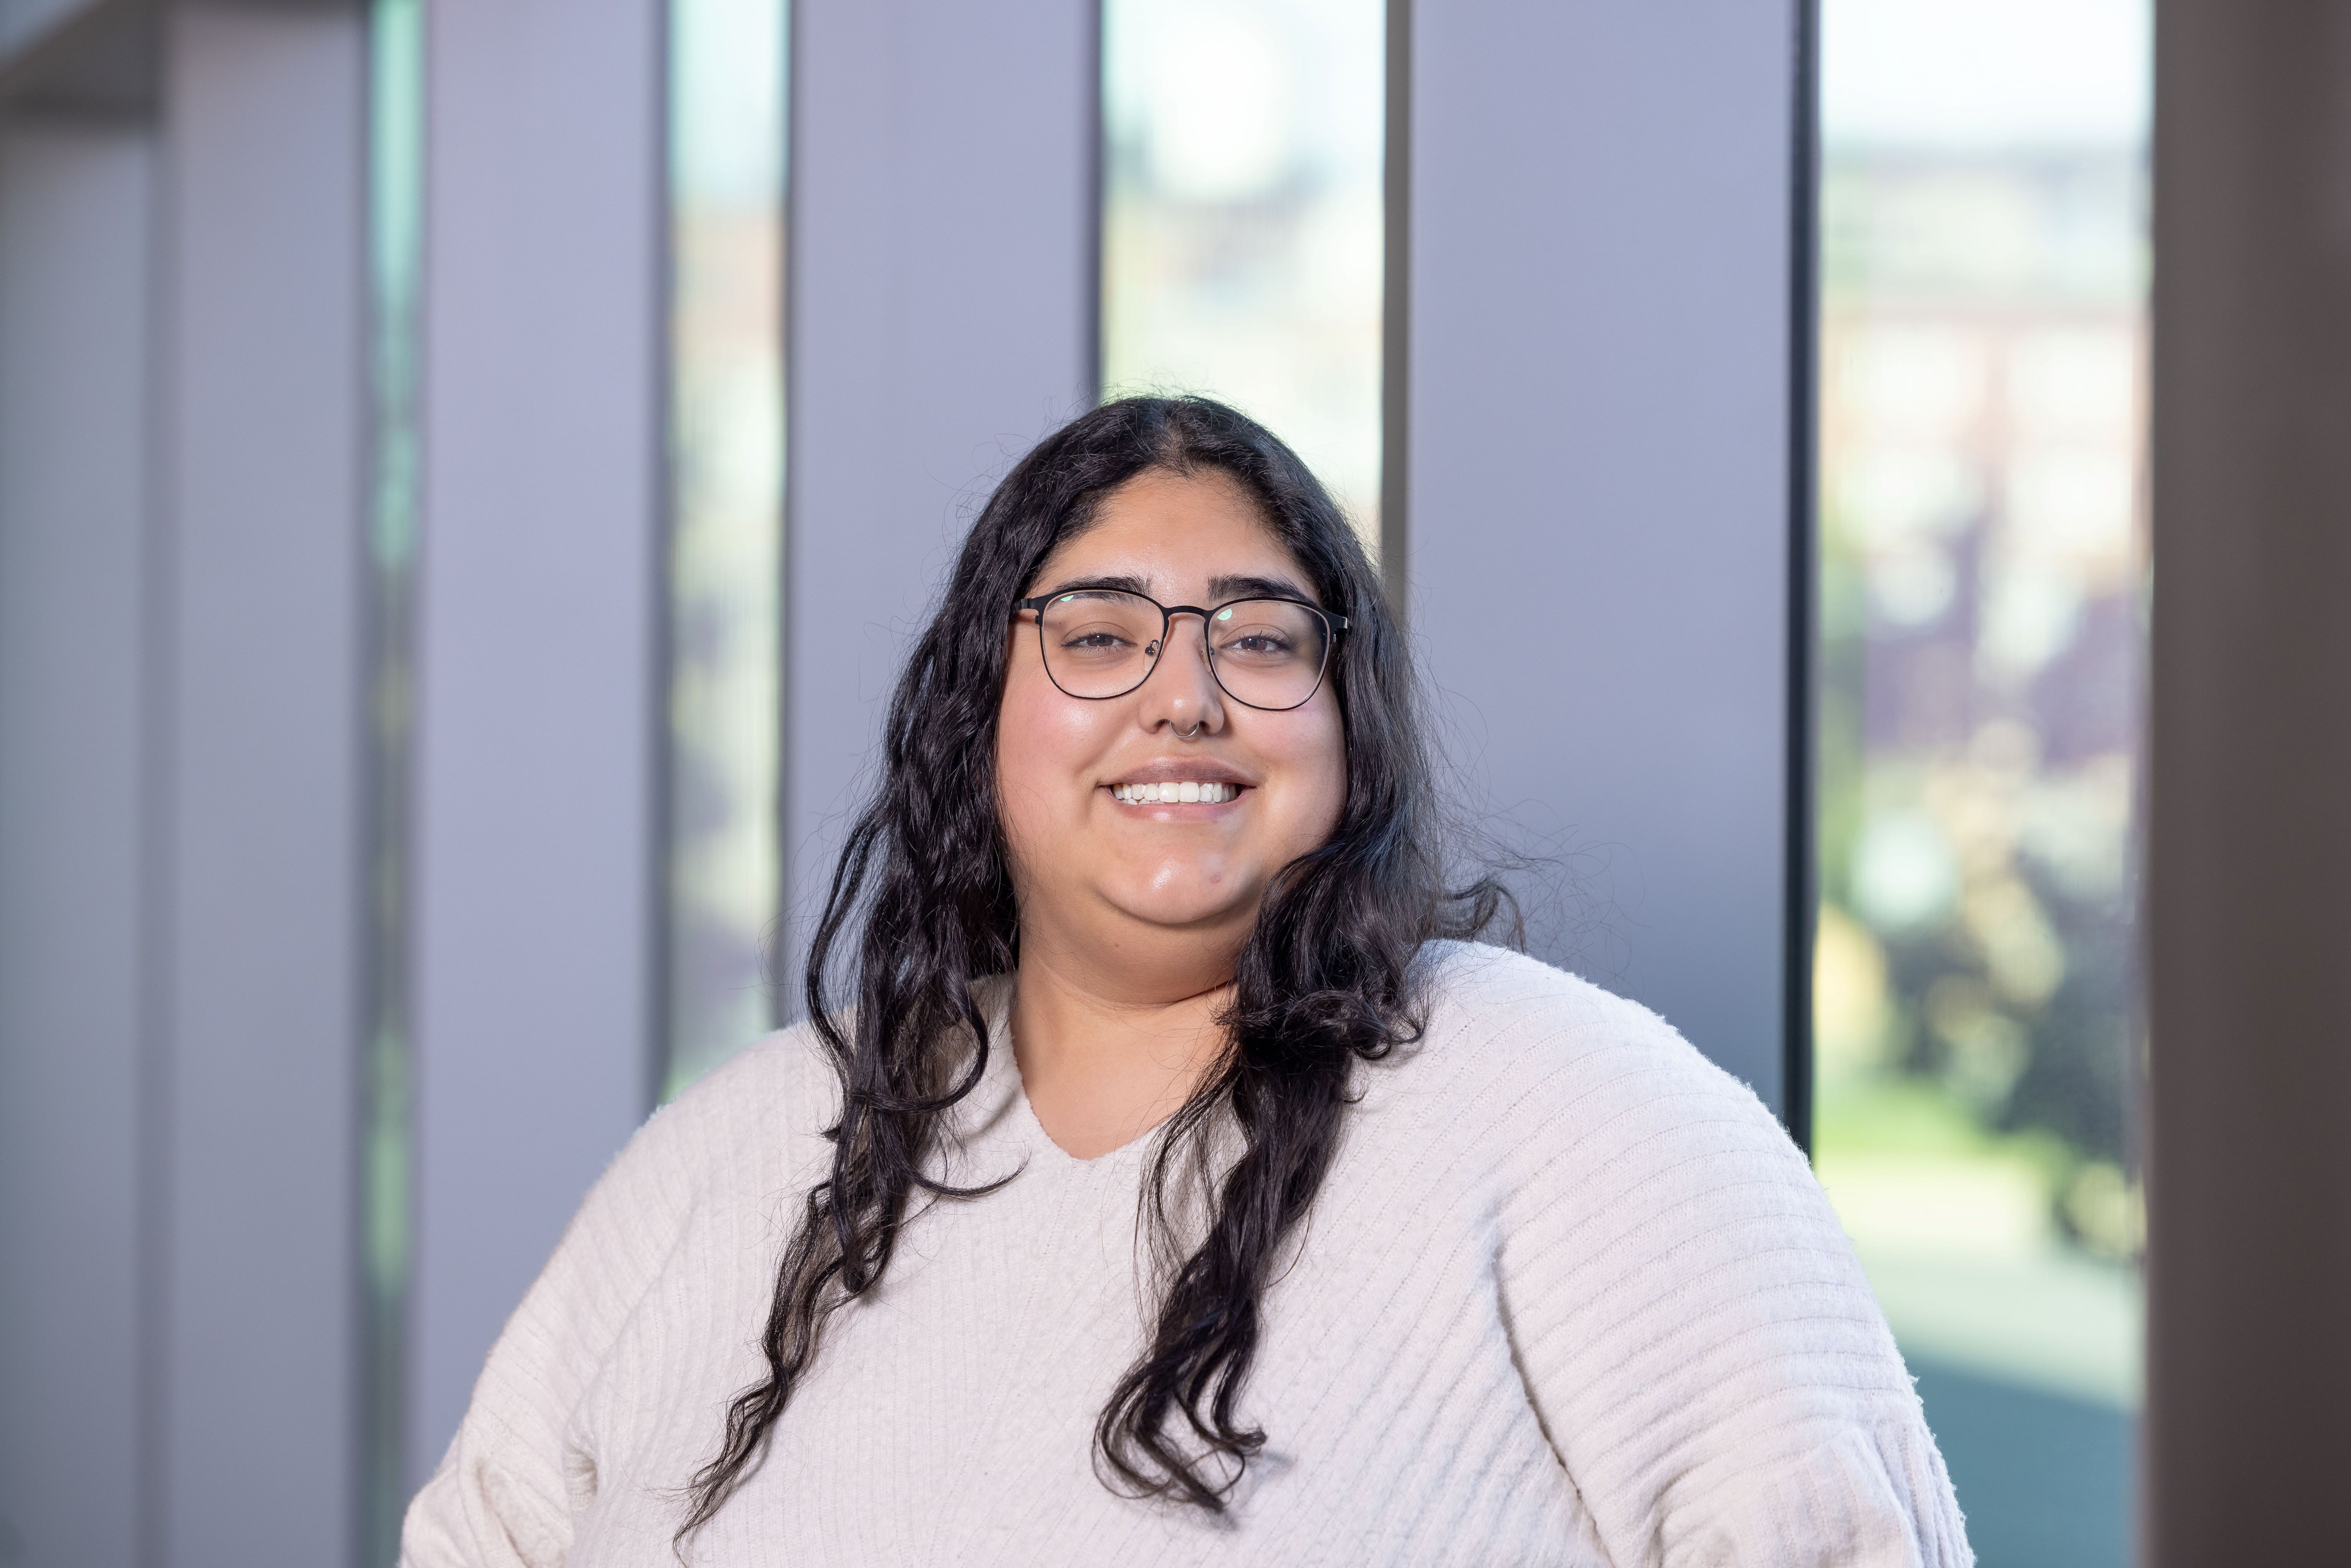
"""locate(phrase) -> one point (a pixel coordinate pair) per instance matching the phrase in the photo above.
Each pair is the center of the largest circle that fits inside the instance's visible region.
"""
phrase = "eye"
(1260, 643)
(1098, 622)
(1256, 640)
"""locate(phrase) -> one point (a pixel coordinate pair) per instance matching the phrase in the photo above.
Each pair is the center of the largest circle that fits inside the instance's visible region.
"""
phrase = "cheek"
(1046, 747)
(1312, 751)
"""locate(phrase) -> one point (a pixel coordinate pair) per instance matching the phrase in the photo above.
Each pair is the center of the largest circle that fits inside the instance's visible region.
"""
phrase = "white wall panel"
(262, 381)
(74, 206)
(941, 320)
(1599, 497)
(538, 590)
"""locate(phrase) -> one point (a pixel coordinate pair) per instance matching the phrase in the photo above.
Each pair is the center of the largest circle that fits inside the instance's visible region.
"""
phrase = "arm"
(505, 1493)
(1694, 1330)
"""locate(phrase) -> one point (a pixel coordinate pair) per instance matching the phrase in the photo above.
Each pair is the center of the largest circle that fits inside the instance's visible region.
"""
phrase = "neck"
(1105, 1059)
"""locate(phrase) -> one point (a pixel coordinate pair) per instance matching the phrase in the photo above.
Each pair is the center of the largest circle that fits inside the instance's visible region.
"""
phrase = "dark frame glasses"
(1331, 625)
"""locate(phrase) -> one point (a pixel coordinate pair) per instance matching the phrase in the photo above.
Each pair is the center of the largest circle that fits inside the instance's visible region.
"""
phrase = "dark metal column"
(2250, 914)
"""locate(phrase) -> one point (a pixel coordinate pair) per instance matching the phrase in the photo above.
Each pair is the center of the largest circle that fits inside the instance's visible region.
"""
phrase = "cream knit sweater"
(1568, 1296)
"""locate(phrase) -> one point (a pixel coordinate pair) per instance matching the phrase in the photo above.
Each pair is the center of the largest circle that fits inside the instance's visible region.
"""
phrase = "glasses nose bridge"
(1168, 613)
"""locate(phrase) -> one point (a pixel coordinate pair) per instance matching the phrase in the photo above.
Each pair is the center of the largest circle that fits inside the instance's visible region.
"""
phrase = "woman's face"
(1117, 878)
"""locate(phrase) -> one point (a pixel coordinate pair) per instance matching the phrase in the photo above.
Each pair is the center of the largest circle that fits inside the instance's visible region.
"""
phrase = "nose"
(1181, 691)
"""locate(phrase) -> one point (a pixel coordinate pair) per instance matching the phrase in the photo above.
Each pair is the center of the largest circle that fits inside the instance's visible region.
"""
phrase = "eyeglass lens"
(1265, 652)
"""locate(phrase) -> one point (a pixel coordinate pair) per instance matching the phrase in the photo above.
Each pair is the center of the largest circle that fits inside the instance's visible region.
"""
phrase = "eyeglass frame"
(1334, 623)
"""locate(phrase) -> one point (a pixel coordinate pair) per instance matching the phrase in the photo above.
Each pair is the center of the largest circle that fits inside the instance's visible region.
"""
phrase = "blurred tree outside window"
(1983, 585)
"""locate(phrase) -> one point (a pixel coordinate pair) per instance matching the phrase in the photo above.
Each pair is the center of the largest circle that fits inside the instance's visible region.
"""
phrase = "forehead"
(1177, 533)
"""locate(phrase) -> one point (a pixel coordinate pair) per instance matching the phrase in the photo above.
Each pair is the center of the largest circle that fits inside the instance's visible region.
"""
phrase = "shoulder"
(1693, 1325)
(770, 1101)
(1516, 1047)
(748, 1128)
(1478, 993)
(1572, 1111)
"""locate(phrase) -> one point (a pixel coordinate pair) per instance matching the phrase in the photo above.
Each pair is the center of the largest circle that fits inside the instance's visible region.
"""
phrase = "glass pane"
(727, 174)
(1242, 218)
(1983, 586)
(395, 205)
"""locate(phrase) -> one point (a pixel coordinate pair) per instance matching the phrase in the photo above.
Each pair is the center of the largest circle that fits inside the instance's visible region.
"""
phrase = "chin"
(1180, 908)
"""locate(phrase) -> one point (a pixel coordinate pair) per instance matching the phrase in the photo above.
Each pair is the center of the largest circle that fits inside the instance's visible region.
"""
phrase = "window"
(395, 205)
(725, 543)
(1983, 581)
(1242, 218)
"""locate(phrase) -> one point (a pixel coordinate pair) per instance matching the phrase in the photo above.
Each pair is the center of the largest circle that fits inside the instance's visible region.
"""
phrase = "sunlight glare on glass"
(1242, 223)
(728, 152)
(1986, 74)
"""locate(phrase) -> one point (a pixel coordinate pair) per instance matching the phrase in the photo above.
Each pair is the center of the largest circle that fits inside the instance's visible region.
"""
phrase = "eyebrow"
(1224, 588)
(1099, 584)
(1220, 588)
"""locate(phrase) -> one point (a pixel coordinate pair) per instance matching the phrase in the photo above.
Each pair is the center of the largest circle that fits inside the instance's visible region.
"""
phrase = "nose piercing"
(1192, 733)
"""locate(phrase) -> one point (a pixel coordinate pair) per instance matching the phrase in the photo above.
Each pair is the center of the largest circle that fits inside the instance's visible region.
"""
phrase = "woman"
(1179, 1188)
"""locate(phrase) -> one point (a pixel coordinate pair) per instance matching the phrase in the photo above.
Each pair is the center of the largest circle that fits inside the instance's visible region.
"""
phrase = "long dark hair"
(923, 889)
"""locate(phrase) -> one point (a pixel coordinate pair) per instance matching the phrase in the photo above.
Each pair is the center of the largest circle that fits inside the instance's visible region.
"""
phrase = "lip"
(1179, 809)
(1175, 770)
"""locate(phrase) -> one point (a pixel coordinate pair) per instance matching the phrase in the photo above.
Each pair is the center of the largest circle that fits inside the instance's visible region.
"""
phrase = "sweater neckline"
(1002, 1076)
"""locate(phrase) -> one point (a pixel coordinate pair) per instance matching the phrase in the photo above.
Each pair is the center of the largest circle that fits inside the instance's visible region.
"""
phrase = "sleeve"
(1693, 1328)
(502, 1495)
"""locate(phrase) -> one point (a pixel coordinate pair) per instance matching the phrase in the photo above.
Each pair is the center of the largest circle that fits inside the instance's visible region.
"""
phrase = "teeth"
(1173, 793)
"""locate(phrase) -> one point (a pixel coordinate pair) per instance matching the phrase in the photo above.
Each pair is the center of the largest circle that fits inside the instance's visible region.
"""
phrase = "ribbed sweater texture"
(1568, 1295)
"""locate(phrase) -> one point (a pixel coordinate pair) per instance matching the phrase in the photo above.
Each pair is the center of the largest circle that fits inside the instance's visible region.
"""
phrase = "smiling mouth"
(1175, 792)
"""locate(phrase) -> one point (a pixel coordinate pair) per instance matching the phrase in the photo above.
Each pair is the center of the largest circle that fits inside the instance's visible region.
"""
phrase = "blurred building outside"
(1982, 605)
